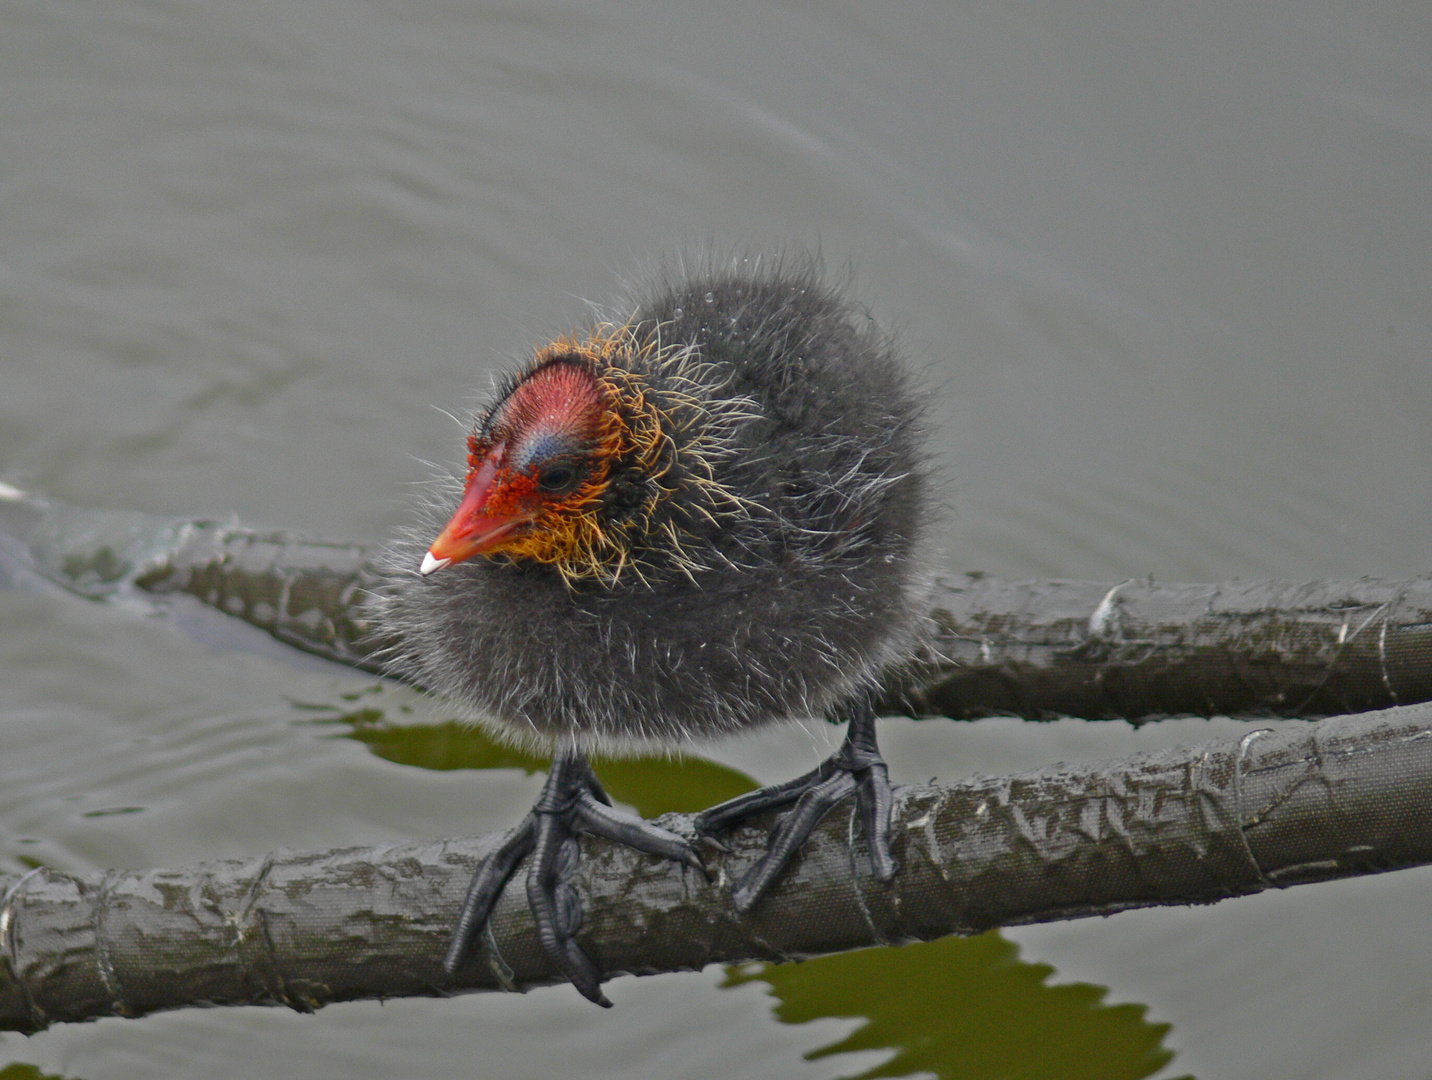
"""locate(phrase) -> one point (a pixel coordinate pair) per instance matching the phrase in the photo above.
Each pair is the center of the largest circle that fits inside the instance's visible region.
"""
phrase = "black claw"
(879, 800)
(566, 911)
(572, 797)
(633, 832)
(719, 818)
(792, 832)
(541, 878)
(557, 915)
(707, 838)
(857, 767)
(566, 904)
(582, 972)
(492, 874)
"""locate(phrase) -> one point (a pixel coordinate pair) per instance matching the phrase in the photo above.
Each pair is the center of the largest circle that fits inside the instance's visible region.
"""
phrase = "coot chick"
(694, 520)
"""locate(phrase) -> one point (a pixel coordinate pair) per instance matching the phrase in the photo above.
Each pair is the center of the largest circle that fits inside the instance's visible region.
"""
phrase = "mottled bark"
(1099, 650)
(1138, 649)
(1343, 797)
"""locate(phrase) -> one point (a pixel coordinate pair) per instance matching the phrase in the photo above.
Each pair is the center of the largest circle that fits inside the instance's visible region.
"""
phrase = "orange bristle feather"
(583, 388)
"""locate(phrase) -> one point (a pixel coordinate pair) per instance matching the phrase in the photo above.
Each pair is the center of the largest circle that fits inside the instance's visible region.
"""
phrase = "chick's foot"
(857, 767)
(572, 801)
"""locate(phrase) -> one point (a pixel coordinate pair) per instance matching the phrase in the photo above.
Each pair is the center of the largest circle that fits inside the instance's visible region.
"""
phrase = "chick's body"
(693, 522)
(756, 564)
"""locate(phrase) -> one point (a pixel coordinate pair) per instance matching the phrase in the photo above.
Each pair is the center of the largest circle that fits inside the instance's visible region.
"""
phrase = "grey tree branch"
(1346, 796)
(1100, 650)
(1138, 649)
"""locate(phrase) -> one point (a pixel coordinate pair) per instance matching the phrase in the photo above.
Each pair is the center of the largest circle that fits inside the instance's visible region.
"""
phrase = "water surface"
(1169, 275)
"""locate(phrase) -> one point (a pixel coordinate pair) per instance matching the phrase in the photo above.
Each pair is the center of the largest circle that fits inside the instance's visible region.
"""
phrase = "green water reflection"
(652, 785)
(26, 1072)
(965, 1008)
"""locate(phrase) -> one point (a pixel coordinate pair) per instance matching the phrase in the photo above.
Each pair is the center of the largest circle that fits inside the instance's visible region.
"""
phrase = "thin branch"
(1139, 649)
(1038, 649)
(1302, 803)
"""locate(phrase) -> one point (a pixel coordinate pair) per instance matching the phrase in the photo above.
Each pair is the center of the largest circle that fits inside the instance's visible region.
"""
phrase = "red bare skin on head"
(559, 398)
(558, 401)
(558, 408)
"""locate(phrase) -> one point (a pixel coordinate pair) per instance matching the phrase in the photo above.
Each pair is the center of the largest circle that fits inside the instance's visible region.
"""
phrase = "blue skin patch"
(542, 447)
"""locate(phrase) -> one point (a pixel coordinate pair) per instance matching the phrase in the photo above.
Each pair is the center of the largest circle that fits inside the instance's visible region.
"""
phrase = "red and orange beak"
(473, 529)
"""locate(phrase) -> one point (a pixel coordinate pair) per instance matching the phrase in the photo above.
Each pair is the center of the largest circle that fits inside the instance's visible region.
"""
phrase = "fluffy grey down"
(777, 606)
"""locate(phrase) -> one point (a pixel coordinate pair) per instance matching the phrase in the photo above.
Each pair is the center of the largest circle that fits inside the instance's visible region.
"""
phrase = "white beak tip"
(431, 565)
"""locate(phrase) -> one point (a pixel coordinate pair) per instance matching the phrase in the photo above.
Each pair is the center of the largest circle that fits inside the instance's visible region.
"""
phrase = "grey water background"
(1168, 271)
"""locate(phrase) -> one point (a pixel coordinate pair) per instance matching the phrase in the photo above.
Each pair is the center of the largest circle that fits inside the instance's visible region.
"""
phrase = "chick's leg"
(856, 767)
(572, 801)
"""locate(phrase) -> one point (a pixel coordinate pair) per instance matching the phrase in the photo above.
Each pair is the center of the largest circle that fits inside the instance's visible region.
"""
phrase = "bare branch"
(1139, 650)
(1038, 649)
(1302, 803)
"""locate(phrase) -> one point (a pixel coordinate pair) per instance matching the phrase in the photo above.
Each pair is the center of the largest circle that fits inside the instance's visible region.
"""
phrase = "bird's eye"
(557, 479)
